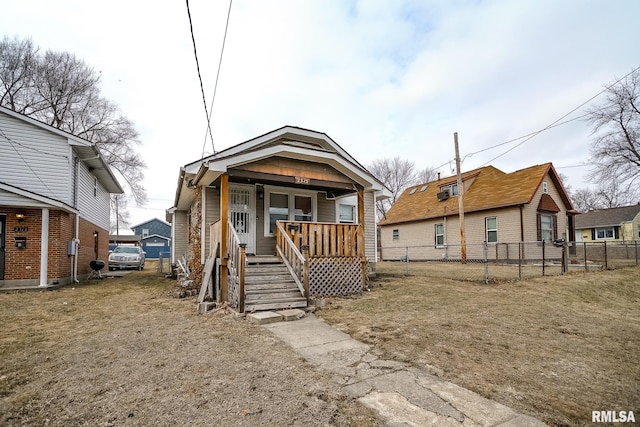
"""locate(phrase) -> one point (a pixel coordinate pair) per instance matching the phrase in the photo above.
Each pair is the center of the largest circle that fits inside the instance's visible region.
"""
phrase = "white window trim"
(613, 233)
(444, 234)
(353, 211)
(291, 192)
(486, 227)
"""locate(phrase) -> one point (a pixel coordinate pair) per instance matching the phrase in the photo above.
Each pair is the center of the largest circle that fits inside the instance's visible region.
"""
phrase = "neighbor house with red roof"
(528, 205)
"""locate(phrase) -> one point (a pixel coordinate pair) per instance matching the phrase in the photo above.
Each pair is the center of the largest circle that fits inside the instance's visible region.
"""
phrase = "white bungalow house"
(290, 204)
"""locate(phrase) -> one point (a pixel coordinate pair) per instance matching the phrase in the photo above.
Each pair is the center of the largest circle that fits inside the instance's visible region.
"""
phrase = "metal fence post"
(520, 260)
(406, 257)
(636, 245)
(565, 258)
(543, 242)
(584, 244)
(606, 263)
(486, 263)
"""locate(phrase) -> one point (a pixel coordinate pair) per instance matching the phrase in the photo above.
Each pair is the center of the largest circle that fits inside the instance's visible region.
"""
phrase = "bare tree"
(426, 175)
(62, 91)
(615, 149)
(585, 200)
(397, 175)
(17, 68)
(119, 214)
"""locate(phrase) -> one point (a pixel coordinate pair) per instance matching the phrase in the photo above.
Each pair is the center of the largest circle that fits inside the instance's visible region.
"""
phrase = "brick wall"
(86, 247)
(24, 264)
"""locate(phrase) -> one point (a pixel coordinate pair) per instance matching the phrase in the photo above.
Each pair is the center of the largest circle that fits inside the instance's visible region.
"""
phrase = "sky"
(382, 78)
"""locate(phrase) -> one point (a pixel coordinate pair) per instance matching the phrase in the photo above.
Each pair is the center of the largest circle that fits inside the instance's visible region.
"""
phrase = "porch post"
(361, 223)
(241, 263)
(224, 228)
(360, 237)
(44, 248)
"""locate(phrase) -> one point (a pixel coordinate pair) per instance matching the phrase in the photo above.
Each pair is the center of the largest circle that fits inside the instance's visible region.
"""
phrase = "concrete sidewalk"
(403, 395)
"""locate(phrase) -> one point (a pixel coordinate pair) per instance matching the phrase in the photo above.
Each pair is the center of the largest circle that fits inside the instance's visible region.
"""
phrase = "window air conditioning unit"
(443, 195)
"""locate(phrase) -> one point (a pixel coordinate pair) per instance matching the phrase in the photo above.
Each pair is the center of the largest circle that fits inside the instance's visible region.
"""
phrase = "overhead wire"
(195, 53)
(215, 87)
(555, 123)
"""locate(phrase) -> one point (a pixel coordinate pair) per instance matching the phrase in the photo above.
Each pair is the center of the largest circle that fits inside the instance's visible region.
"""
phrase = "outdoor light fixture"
(20, 217)
(95, 234)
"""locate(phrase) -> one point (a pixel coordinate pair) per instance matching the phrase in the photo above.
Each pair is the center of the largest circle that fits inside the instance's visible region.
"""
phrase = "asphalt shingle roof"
(607, 217)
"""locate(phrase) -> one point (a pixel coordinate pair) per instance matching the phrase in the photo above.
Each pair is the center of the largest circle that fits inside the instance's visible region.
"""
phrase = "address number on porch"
(301, 180)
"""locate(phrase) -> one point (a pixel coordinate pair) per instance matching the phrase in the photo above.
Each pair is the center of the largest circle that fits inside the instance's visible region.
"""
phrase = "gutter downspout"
(76, 243)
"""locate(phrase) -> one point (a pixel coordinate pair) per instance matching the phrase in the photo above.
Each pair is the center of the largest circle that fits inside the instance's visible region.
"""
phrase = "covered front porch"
(287, 256)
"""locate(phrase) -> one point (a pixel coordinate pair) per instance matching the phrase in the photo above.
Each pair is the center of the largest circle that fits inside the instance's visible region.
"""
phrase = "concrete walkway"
(401, 394)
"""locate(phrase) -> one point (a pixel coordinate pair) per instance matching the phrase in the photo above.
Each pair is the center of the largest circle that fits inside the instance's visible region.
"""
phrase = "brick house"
(54, 204)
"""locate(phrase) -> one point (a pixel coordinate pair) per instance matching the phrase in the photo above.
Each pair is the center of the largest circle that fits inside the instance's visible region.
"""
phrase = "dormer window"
(453, 189)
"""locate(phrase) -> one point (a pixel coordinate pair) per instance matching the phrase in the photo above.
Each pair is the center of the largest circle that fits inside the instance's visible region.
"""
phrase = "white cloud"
(383, 78)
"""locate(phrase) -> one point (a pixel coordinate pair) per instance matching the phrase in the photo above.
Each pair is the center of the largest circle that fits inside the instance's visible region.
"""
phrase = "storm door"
(242, 214)
(3, 222)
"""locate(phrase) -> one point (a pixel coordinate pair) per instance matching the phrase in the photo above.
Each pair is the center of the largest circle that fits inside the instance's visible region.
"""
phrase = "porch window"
(605, 233)
(284, 204)
(491, 225)
(303, 208)
(347, 214)
(439, 232)
(278, 209)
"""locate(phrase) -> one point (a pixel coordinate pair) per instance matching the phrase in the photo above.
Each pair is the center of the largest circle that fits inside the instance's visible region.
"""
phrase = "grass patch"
(553, 347)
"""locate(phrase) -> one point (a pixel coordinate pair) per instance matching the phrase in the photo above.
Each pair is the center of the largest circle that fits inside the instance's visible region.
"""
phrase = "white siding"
(93, 208)
(370, 227)
(11, 199)
(179, 235)
(34, 159)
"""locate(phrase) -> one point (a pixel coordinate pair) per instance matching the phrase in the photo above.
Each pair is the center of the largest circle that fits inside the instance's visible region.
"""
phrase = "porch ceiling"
(332, 188)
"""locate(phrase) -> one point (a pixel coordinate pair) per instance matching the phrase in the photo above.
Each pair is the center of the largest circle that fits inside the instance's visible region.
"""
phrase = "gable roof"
(607, 217)
(288, 141)
(151, 220)
(86, 151)
(490, 189)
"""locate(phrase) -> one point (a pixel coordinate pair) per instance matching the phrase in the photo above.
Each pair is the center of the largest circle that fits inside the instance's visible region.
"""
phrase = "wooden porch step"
(275, 304)
(269, 285)
(263, 259)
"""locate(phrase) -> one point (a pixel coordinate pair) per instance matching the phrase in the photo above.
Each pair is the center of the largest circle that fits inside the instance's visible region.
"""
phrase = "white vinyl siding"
(94, 209)
(44, 168)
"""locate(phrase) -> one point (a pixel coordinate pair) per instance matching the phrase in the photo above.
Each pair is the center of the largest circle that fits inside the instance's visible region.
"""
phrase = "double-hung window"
(546, 228)
(346, 214)
(491, 225)
(439, 234)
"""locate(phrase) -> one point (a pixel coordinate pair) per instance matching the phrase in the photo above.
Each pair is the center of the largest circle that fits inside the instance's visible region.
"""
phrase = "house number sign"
(301, 180)
(20, 229)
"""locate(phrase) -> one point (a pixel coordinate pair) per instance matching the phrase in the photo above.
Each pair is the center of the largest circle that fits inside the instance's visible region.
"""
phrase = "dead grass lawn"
(552, 347)
(121, 352)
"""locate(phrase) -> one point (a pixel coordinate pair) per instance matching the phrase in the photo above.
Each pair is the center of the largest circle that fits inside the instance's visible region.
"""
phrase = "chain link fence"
(505, 261)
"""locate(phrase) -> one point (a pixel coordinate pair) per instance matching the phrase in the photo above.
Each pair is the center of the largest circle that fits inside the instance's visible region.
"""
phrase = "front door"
(3, 222)
(242, 214)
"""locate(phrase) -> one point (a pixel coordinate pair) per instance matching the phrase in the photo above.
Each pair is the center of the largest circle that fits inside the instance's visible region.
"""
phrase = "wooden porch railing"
(236, 261)
(293, 259)
(325, 239)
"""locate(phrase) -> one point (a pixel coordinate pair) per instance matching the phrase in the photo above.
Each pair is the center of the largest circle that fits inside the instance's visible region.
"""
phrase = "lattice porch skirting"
(335, 275)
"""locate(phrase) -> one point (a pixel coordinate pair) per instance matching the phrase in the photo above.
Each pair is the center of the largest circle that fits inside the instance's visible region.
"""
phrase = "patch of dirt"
(555, 348)
(121, 352)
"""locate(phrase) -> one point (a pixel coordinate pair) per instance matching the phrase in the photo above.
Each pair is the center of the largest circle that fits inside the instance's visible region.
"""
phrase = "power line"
(195, 53)
(215, 87)
(554, 123)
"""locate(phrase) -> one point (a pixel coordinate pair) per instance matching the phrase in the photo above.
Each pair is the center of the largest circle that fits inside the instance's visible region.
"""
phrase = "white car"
(126, 257)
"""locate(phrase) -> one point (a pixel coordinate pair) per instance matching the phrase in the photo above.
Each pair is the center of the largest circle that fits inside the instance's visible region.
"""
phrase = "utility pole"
(117, 221)
(463, 242)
